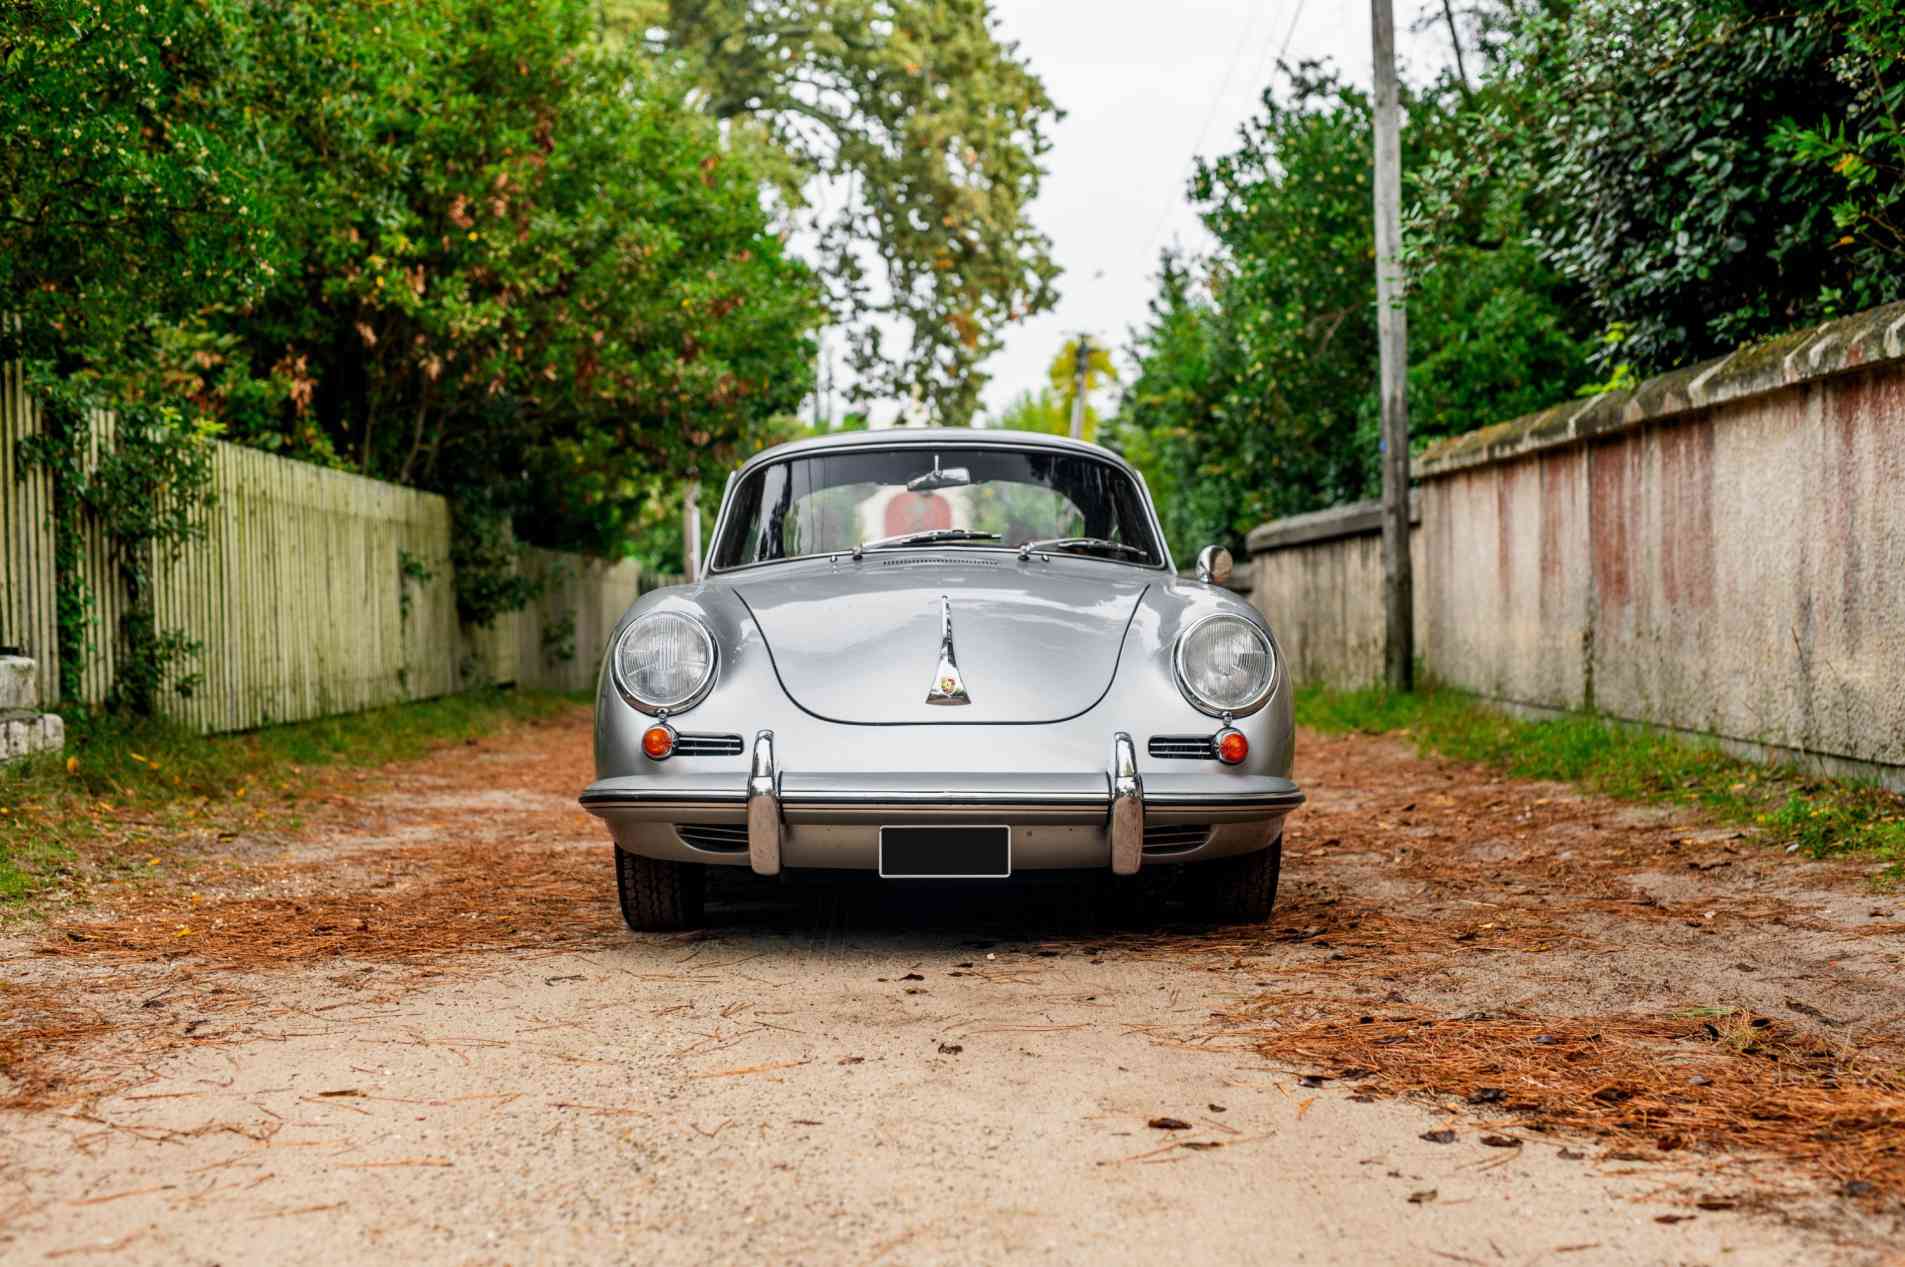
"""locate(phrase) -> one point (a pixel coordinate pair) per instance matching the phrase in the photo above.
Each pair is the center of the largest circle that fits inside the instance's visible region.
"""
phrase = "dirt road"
(415, 1031)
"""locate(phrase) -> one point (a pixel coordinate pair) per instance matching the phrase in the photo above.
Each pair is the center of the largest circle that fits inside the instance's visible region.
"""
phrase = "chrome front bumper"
(1084, 819)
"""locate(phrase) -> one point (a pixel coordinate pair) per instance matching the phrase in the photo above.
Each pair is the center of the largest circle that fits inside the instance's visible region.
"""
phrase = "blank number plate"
(946, 853)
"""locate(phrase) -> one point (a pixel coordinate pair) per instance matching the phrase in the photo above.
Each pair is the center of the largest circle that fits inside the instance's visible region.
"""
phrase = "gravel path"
(490, 1070)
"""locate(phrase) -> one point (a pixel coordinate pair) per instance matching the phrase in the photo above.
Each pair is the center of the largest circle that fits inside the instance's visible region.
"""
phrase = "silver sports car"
(941, 654)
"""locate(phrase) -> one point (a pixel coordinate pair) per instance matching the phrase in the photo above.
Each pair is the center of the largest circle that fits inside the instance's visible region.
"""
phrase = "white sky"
(1146, 85)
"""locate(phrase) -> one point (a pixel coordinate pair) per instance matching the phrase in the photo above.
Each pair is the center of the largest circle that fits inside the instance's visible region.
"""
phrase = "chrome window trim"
(1243, 710)
(847, 556)
(1003, 443)
(665, 710)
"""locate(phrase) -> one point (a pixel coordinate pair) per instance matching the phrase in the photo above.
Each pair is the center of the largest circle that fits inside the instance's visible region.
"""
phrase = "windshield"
(828, 502)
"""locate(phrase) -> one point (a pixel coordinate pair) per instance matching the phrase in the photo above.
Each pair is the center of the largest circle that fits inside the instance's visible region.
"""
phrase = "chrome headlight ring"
(1254, 700)
(668, 702)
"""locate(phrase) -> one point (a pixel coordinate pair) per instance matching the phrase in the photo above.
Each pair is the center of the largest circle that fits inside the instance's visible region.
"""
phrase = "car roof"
(897, 437)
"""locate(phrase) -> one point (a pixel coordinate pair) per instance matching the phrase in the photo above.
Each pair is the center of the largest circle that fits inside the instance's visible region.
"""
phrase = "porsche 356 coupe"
(941, 654)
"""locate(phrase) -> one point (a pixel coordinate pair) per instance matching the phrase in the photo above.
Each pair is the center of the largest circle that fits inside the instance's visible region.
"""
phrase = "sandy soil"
(415, 1030)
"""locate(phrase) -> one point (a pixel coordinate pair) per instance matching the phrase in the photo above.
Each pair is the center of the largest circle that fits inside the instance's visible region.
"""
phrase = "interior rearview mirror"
(950, 477)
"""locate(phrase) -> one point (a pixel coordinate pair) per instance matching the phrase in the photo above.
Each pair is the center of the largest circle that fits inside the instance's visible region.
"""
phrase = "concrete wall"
(1318, 579)
(1721, 551)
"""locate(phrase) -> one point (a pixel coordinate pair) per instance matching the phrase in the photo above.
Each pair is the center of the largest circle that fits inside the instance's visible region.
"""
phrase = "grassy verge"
(118, 785)
(1821, 816)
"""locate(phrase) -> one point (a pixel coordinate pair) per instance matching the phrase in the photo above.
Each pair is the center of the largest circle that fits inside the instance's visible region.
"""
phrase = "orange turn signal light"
(1231, 747)
(658, 742)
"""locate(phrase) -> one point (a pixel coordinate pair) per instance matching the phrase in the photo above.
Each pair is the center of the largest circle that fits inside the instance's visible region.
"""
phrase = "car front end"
(945, 711)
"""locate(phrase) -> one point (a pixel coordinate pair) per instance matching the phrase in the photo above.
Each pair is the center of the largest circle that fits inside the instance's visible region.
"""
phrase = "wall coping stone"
(1354, 520)
(1845, 344)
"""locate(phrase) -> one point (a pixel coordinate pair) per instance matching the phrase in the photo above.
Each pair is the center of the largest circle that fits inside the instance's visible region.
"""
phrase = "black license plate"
(946, 853)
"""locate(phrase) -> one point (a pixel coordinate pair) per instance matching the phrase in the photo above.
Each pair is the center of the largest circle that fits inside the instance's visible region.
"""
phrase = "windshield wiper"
(1084, 545)
(929, 537)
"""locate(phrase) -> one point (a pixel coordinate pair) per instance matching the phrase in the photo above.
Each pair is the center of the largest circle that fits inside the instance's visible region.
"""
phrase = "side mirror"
(1213, 565)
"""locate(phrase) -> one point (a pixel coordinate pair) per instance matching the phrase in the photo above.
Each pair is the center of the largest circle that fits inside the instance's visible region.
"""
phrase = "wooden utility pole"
(691, 531)
(1392, 338)
(1081, 365)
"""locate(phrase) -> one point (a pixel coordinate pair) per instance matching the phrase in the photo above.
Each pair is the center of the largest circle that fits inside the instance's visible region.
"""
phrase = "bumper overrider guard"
(1116, 800)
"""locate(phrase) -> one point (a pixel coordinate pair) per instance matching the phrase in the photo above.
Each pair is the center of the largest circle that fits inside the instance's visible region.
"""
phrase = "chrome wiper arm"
(1083, 544)
(929, 537)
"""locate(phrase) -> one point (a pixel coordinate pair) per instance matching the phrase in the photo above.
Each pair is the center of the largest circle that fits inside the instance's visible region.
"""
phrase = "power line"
(1288, 35)
(1210, 115)
(1230, 72)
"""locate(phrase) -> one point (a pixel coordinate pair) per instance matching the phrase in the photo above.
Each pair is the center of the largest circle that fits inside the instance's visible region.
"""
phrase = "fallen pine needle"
(735, 1073)
(302, 1209)
(399, 1161)
(112, 1248)
(131, 1192)
(1190, 1144)
(239, 1160)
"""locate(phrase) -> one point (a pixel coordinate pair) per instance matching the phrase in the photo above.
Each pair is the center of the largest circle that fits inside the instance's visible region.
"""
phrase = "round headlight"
(1225, 665)
(664, 661)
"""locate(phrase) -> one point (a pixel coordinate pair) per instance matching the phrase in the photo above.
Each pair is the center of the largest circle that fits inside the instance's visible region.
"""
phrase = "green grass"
(1822, 816)
(125, 782)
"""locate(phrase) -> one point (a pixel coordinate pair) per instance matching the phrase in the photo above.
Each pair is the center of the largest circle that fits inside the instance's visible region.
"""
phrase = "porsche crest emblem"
(947, 687)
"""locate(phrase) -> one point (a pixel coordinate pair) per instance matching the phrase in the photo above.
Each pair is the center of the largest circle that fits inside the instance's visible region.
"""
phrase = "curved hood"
(861, 642)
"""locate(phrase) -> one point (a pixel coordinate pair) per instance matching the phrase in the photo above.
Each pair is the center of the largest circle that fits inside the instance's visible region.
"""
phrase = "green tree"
(1256, 388)
(922, 133)
(451, 243)
(1658, 139)
(1049, 409)
(1184, 376)
(1864, 146)
(1042, 411)
(524, 271)
(1099, 372)
(130, 188)
(1623, 183)
(132, 196)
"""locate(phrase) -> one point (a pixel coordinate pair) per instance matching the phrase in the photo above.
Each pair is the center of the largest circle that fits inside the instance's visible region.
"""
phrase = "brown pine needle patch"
(1647, 1087)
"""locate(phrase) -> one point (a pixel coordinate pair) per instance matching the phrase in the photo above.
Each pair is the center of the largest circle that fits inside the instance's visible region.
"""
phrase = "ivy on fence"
(142, 474)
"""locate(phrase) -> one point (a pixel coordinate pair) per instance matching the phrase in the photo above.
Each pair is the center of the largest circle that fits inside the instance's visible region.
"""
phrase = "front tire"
(657, 896)
(1240, 890)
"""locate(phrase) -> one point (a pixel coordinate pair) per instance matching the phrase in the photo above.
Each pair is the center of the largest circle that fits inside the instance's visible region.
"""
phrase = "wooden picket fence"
(299, 593)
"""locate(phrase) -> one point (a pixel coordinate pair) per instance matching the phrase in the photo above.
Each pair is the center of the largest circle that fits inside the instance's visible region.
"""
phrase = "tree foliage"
(129, 180)
(1865, 145)
(457, 244)
(1658, 136)
(1606, 189)
(519, 256)
(450, 243)
(1256, 390)
(923, 130)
